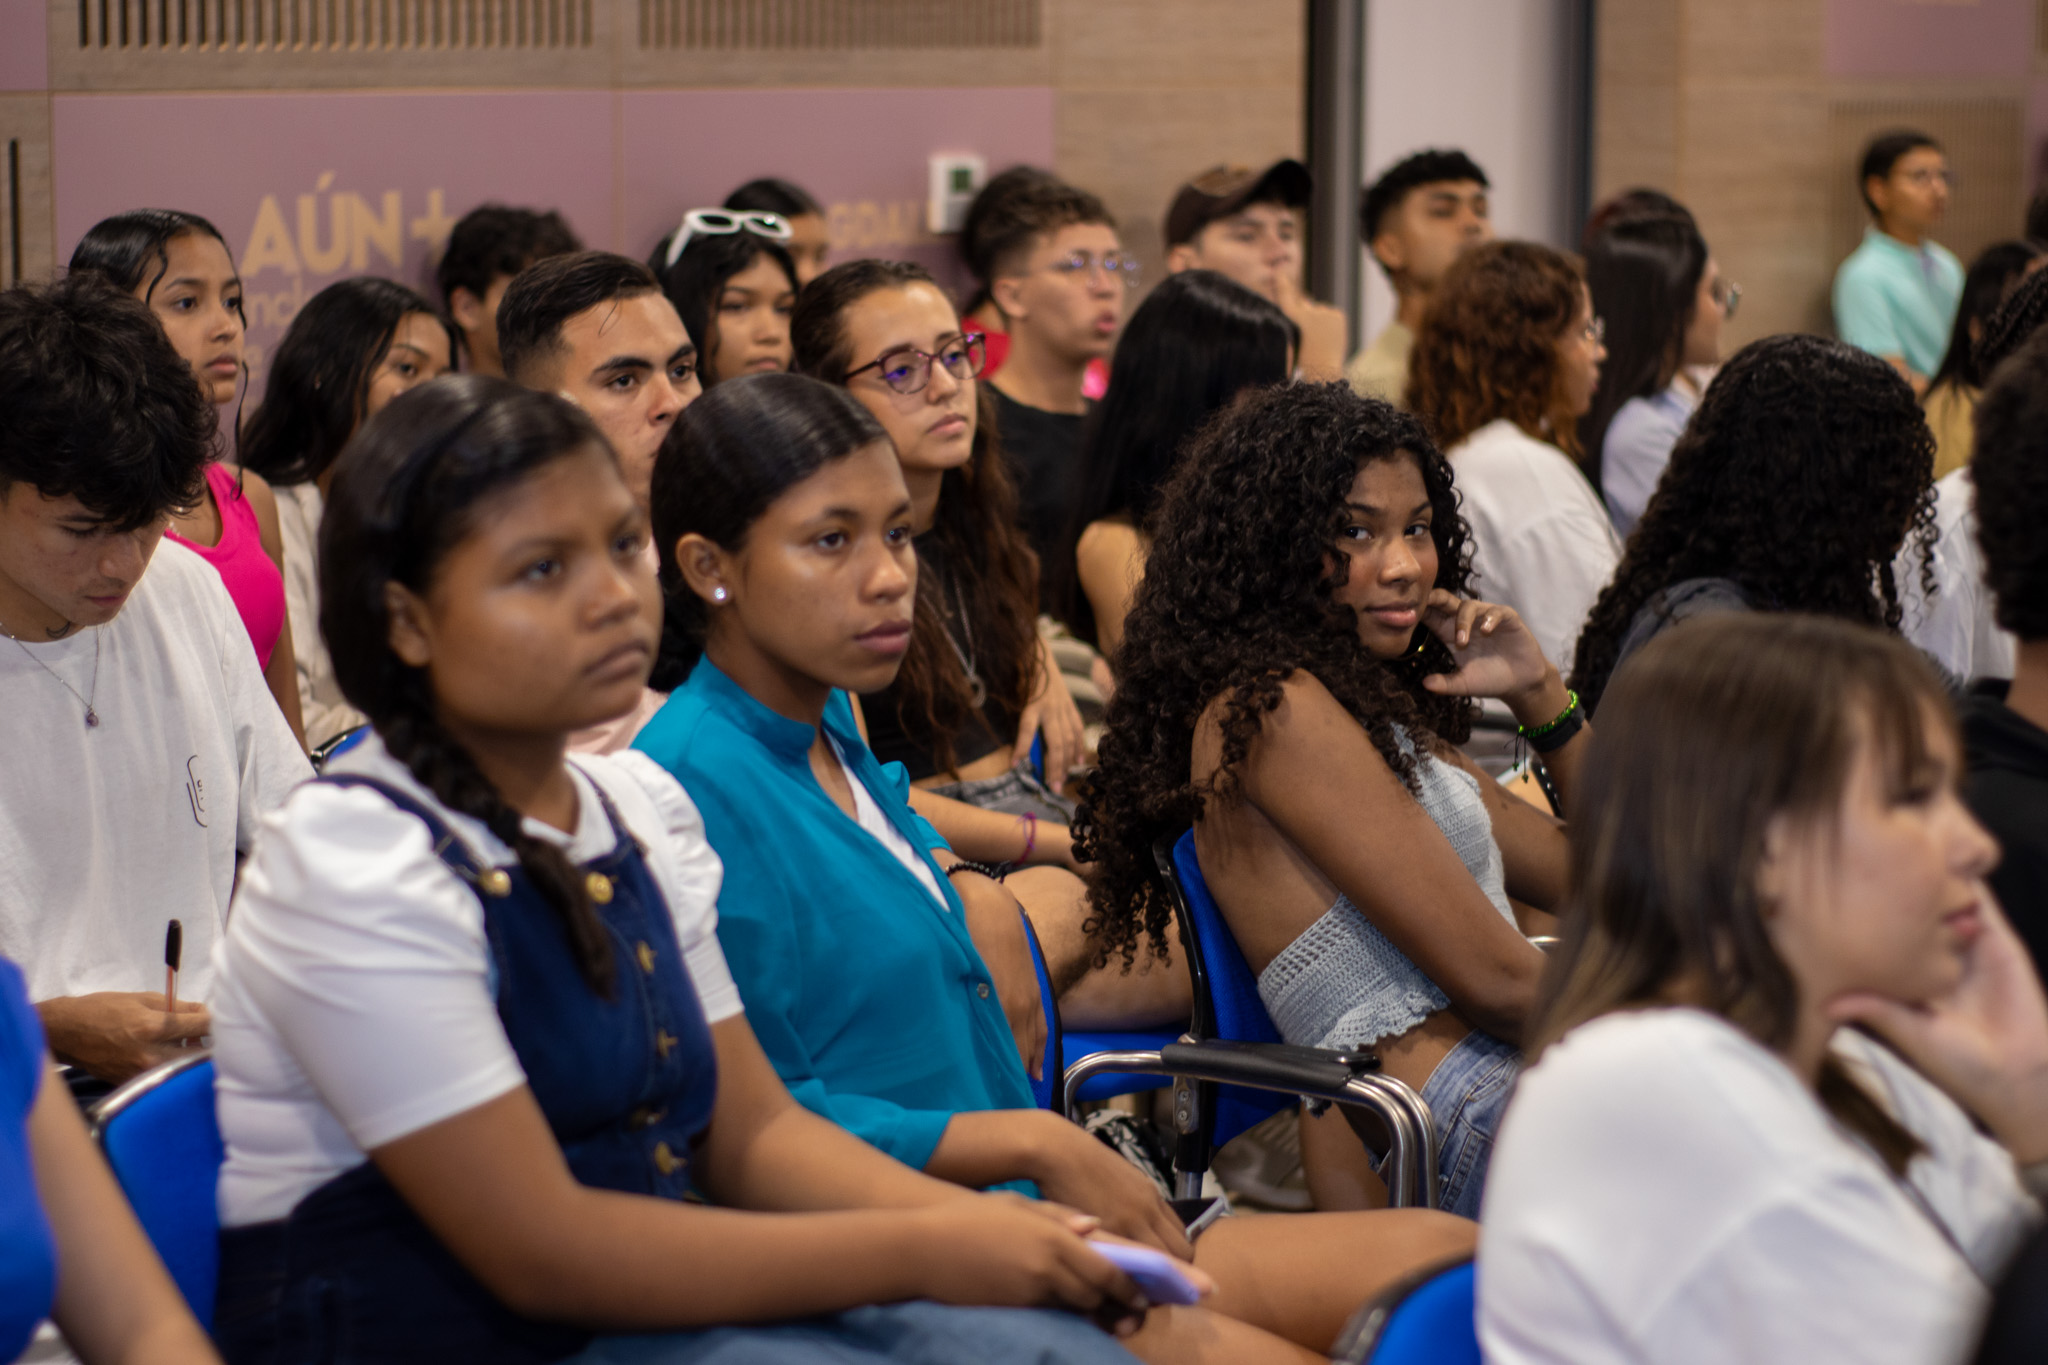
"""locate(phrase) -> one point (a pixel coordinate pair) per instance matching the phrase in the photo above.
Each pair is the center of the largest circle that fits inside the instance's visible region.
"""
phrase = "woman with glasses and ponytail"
(731, 277)
(476, 1038)
(978, 684)
(180, 266)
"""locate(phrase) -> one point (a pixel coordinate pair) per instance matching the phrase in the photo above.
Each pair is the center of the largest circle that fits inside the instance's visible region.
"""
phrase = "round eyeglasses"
(1082, 265)
(908, 370)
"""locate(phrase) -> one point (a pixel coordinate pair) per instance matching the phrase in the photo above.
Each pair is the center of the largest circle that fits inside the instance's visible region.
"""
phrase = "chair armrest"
(1351, 1078)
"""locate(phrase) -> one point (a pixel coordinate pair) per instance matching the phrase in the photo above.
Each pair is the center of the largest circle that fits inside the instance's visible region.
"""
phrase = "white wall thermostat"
(956, 177)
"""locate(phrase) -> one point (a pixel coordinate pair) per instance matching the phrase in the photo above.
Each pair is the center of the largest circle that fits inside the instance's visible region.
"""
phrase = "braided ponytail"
(405, 493)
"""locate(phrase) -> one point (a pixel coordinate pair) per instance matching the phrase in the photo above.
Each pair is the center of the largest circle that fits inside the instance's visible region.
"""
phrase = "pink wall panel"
(24, 44)
(312, 188)
(1929, 37)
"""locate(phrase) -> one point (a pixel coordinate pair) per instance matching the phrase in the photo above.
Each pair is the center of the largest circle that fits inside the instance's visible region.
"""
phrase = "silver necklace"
(92, 717)
(977, 691)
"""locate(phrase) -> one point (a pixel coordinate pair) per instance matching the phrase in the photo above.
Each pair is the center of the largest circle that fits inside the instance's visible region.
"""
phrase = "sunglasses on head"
(718, 222)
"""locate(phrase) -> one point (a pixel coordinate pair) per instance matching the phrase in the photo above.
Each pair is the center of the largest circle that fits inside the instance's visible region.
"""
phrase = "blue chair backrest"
(165, 1150)
(1239, 1013)
(1042, 1089)
(1435, 1323)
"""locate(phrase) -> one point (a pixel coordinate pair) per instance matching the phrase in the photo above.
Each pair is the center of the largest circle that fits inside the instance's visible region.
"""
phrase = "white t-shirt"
(354, 998)
(1956, 625)
(1666, 1190)
(324, 710)
(868, 815)
(1542, 542)
(108, 832)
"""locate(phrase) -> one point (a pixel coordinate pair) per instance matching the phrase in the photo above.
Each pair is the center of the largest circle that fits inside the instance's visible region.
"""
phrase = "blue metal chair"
(1232, 1070)
(1429, 1319)
(161, 1138)
(1059, 1045)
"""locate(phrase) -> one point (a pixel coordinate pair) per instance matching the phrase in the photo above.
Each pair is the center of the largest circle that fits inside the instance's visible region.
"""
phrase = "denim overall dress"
(627, 1084)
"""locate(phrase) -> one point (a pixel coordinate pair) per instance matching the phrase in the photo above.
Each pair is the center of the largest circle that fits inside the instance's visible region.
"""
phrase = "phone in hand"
(1154, 1272)
(1198, 1213)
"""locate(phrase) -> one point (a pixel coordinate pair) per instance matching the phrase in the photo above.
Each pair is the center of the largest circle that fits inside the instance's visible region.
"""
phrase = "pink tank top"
(251, 576)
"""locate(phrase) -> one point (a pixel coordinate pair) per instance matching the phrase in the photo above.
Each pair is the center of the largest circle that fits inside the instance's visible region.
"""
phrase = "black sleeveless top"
(908, 739)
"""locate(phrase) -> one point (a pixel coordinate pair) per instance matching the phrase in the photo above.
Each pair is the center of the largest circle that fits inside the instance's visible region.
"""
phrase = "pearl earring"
(718, 594)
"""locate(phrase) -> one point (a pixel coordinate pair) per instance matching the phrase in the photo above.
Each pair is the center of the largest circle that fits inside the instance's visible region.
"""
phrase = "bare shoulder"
(1109, 544)
(1307, 729)
(263, 502)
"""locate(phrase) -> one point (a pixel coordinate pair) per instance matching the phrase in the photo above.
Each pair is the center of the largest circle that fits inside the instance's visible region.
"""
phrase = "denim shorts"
(1467, 1094)
(891, 1334)
(1016, 792)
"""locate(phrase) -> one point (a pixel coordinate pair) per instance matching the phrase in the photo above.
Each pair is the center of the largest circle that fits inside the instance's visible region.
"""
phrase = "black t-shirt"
(2007, 788)
(897, 739)
(1044, 451)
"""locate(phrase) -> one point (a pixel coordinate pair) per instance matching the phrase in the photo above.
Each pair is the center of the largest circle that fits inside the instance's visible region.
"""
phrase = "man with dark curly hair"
(140, 744)
(2005, 725)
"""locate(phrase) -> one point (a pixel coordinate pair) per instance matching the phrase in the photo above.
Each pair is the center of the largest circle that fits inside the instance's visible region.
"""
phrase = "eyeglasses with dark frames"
(909, 370)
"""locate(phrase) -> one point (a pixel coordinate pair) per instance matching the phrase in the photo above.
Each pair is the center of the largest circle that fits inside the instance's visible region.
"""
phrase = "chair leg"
(1194, 1111)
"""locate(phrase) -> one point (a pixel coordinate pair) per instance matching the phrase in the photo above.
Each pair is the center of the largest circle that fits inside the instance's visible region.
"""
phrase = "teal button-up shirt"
(1893, 299)
(872, 1002)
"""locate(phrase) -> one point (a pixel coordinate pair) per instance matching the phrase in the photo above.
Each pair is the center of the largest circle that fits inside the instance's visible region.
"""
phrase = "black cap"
(1222, 190)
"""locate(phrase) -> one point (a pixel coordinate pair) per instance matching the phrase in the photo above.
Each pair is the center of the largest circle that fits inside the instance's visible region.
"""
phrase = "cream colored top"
(1381, 369)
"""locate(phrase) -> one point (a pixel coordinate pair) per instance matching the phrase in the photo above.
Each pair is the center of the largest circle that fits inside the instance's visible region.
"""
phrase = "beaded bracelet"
(993, 871)
(1548, 739)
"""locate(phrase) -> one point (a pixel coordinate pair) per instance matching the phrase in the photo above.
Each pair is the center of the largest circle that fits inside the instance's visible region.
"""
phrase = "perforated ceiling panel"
(311, 26)
(839, 24)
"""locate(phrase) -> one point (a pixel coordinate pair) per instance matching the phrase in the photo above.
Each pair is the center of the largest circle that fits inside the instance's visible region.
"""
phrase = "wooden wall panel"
(1149, 94)
(30, 252)
(1761, 142)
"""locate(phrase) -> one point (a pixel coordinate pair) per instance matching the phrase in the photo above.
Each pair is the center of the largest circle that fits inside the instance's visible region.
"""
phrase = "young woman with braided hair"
(476, 1037)
(1805, 470)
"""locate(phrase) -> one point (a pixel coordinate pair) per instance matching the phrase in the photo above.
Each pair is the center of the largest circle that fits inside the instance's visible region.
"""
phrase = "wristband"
(1548, 739)
(1030, 837)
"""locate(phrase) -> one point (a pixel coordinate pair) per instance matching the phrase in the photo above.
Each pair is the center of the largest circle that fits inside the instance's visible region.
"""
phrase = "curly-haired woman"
(1506, 363)
(1298, 663)
(1805, 469)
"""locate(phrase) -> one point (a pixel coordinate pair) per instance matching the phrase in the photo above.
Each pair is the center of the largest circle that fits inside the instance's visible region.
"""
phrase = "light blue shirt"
(870, 1000)
(1636, 448)
(1893, 299)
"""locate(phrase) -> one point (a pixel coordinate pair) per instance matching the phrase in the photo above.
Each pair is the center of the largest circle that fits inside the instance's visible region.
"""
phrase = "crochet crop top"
(1343, 983)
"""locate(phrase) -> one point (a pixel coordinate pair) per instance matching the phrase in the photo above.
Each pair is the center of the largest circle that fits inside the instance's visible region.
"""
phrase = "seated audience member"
(1952, 390)
(1660, 292)
(1420, 215)
(489, 246)
(595, 328)
(1506, 363)
(70, 1249)
(733, 283)
(1246, 225)
(1746, 1129)
(1639, 202)
(1800, 477)
(1297, 669)
(355, 346)
(1059, 277)
(788, 520)
(977, 683)
(2005, 725)
(178, 264)
(468, 966)
(1196, 343)
(141, 746)
(809, 237)
(1896, 295)
(989, 233)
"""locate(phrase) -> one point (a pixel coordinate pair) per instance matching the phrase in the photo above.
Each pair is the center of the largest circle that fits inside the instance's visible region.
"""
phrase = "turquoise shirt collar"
(785, 738)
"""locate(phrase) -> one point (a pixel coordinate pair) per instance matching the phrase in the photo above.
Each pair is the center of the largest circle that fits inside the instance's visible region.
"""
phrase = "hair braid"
(414, 737)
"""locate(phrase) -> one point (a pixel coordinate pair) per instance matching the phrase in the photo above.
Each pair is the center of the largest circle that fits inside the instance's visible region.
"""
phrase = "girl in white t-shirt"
(475, 1036)
(1706, 1161)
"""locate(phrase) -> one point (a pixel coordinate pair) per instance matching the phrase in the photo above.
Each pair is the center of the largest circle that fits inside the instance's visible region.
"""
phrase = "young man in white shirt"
(1246, 225)
(595, 328)
(1416, 219)
(140, 743)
